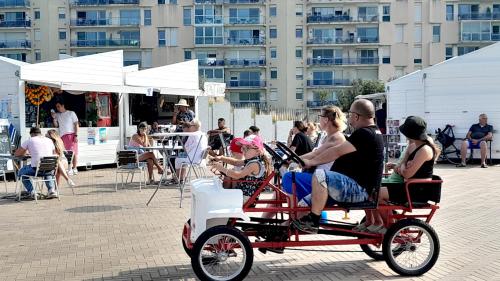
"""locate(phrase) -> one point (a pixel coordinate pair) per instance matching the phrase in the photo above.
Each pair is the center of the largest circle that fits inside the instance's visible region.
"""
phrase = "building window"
(273, 32)
(62, 13)
(273, 95)
(386, 55)
(37, 15)
(400, 33)
(449, 52)
(299, 94)
(38, 35)
(38, 55)
(186, 16)
(188, 54)
(466, 50)
(449, 12)
(273, 11)
(62, 34)
(167, 1)
(274, 73)
(436, 33)
(274, 53)
(399, 71)
(147, 17)
(299, 73)
(167, 37)
(298, 32)
(299, 10)
(418, 34)
(208, 35)
(418, 12)
(417, 55)
(62, 51)
(386, 13)
(298, 53)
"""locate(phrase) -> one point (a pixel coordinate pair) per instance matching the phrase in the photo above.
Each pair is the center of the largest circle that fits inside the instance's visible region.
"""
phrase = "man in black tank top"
(357, 169)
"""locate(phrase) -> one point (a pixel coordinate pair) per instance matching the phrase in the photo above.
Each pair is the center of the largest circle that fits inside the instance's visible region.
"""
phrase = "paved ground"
(100, 234)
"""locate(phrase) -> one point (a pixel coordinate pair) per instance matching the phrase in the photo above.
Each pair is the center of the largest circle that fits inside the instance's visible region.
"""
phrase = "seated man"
(214, 139)
(357, 169)
(477, 137)
(38, 147)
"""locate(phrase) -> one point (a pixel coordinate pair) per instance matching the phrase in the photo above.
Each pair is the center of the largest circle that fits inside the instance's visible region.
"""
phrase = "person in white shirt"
(38, 147)
(67, 122)
(194, 147)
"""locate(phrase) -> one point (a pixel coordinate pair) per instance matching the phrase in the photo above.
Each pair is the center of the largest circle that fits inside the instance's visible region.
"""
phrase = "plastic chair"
(47, 166)
(127, 162)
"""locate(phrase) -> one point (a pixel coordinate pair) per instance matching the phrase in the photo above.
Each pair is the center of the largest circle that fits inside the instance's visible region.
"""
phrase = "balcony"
(328, 82)
(318, 103)
(246, 84)
(210, 62)
(15, 44)
(127, 62)
(105, 22)
(244, 20)
(342, 40)
(15, 23)
(106, 43)
(207, 20)
(208, 2)
(248, 104)
(342, 61)
(103, 2)
(479, 16)
(250, 41)
(245, 62)
(14, 3)
(478, 37)
(251, 2)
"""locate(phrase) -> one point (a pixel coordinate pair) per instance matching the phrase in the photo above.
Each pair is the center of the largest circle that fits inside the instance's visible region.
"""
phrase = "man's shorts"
(302, 184)
(477, 145)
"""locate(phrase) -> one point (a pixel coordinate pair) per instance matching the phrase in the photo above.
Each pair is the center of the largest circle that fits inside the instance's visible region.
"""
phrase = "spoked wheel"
(222, 253)
(411, 247)
(186, 249)
(373, 251)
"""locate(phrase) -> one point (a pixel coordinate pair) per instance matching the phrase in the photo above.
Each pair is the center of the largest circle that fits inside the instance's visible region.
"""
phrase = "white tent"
(453, 92)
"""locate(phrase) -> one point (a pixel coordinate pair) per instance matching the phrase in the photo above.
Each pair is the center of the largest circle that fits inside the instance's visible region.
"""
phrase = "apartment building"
(268, 52)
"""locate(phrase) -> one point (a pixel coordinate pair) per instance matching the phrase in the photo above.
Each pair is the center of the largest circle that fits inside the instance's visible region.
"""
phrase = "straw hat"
(183, 102)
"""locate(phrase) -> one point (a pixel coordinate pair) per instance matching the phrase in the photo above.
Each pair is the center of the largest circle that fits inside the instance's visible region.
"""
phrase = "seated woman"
(255, 167)
(417, 163)
(332, 121)
(139, 140)
(63, 162)
(301, 143)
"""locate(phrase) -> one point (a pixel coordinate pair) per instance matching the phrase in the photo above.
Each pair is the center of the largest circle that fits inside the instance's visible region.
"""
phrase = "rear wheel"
(411, 247)
(222, 253)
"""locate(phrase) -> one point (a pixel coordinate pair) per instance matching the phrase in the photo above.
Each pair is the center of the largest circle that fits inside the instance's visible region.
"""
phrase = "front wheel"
(222, 253)
(184, 246)
(411, 247)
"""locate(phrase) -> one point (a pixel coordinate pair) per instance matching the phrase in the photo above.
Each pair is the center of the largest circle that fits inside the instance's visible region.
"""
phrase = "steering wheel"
(273, 153)
(290, 154)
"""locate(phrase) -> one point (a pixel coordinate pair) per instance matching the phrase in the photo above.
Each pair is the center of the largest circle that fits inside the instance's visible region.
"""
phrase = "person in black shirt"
(301, 143)
(477, 137)
(356, 172)
(381, 118)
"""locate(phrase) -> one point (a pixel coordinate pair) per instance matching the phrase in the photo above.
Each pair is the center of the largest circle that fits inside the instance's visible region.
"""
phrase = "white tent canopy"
(174, 79)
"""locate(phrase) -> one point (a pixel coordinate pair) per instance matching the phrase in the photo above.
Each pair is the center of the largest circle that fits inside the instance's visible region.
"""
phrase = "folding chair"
(3, 167)
(47, 166)
(69, 154)
(127, 162)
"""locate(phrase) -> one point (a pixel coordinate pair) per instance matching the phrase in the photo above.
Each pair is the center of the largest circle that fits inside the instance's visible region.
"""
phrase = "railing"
(15, 23)
(342, 61)
(207, 19)
(495, 37)
(248, 104)
(21, 44)
(210, 62)
(14, 3)
(246, 41)
(320, 103)
(328, 18)
(245, 62)
(344, 40)
(328, 82)
(209, 2)
(103, 2)
(106, 43)
(131, 62)
(243, 1)
(246, 84)
(479, 16)
(485, 36)
(106, 22)
(244, 20)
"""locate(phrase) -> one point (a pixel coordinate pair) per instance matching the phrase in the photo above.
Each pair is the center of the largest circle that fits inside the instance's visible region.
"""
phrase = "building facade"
(292, 53)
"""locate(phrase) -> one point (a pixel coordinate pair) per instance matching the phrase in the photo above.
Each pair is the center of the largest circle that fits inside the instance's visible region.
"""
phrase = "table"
(176, 138)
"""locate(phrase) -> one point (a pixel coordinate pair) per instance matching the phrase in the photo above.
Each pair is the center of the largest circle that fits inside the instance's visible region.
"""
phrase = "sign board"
(149, 92)
(91, 136)
(213, 89)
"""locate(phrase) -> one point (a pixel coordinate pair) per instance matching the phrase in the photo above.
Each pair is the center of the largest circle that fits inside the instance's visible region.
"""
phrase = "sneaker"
(374, 228)
(52, 194)
(484, 166)
(461, 165)
(70, 172)
(382, 231)
(306, 224)
(75, 171)
(360, 227)
(71, 183)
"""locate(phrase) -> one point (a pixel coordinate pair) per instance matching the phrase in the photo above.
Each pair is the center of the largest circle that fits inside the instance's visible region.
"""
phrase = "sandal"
(461, 165)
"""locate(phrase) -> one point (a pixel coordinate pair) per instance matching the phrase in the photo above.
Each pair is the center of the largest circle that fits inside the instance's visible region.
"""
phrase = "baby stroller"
(449, 151)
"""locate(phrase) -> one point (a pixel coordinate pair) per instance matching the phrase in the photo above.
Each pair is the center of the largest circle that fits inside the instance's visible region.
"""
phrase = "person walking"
(67, 122)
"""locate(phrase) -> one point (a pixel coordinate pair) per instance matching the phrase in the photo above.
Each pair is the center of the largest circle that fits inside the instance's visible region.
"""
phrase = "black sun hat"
(414, 128)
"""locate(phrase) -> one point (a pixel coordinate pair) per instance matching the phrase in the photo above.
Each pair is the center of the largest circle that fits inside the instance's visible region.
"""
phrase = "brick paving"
(100, 234)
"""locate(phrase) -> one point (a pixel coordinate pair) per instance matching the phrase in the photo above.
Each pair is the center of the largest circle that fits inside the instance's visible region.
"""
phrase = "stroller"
(449, 151)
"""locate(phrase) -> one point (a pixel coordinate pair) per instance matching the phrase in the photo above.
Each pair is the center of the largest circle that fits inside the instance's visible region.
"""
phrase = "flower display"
(37, 95)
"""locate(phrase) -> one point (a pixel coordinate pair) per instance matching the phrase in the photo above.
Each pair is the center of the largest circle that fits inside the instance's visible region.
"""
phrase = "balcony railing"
(479, 16)
(318, 103)
(103, 2)
(207, 19)
(342, 40)
(15, 23)
(246, 84)
(328, 82)
(106, 43)
(106, 22)
(210, 62)
(246, 41)
(342, 61)
(244, 20)
(14, 3)
(208, 2)
(467, 36)
(15, 44)
(245, 62)
(131, 62)
(339, 18)
(248, 104)
(243, 1)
